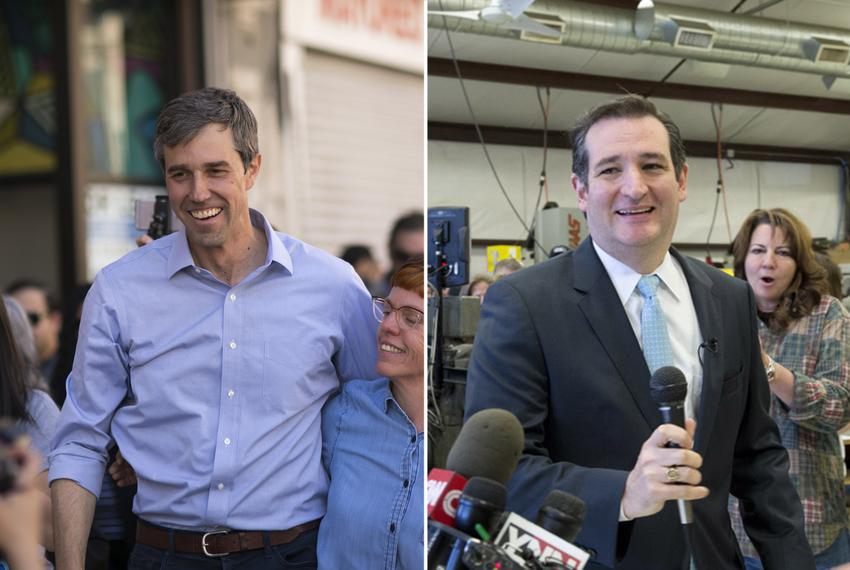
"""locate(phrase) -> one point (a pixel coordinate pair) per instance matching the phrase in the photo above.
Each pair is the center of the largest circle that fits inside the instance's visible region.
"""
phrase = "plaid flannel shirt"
(816, 348)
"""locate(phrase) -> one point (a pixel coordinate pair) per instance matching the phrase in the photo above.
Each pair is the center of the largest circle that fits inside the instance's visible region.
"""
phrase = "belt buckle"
(204, 544)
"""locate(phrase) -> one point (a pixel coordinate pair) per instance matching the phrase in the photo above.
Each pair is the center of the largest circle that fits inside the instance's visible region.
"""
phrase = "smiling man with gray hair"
(207, 356)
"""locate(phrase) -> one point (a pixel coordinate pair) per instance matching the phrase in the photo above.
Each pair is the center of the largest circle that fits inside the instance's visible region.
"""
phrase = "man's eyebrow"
(643, 156)
(654, 155)
(206, 166)
(607, 160)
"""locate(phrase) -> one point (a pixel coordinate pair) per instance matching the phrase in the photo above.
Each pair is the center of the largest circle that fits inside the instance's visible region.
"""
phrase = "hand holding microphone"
(667, 468)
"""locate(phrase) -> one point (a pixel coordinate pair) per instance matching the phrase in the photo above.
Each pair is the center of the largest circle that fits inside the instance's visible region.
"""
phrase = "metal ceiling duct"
(736, 39)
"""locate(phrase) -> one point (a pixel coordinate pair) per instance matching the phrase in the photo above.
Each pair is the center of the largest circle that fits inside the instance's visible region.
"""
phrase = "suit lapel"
(607, 318)
(709, 315)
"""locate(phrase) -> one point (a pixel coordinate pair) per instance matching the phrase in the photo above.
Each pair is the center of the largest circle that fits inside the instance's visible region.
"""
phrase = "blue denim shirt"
(375, 459)
(214, 393)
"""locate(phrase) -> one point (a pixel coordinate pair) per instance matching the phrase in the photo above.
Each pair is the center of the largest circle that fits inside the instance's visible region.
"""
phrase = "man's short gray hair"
(184, 117)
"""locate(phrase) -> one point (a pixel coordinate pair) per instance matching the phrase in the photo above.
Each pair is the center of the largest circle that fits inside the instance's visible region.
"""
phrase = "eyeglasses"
(34, 318)
(407, 317)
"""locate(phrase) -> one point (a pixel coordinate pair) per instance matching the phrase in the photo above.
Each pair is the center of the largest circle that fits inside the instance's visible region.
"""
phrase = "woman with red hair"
(373, 444)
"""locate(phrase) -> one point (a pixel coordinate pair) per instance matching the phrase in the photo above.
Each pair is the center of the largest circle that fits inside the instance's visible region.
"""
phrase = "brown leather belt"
(218, 542)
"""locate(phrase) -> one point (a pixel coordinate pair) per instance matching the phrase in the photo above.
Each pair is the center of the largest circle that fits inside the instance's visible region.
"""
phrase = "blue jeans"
(299, 554)
(838, 553)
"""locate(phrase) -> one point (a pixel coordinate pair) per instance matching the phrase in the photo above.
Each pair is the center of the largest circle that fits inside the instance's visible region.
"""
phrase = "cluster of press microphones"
(468, 526)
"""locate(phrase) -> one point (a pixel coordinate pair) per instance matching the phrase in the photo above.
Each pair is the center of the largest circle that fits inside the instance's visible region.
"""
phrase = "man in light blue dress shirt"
(207, 356)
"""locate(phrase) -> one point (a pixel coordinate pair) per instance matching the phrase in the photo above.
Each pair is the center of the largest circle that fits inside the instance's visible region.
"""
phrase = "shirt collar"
(625, 278)
(181, 256)
(381, 395)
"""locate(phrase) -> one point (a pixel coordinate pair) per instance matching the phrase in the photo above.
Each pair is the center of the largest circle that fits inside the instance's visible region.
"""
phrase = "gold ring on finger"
(673, 474)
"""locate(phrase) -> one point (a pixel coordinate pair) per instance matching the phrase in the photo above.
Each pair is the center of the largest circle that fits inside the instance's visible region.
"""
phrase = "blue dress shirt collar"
(181, 256)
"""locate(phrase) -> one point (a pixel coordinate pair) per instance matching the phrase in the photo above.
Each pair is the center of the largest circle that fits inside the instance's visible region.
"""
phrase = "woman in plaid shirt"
(805, 338)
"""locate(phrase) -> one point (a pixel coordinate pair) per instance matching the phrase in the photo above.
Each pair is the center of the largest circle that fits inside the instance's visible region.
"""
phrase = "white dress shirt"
(674, 296)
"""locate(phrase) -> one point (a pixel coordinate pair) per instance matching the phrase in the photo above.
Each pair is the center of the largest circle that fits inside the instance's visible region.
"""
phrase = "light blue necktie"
(653, 333)
(653, 328)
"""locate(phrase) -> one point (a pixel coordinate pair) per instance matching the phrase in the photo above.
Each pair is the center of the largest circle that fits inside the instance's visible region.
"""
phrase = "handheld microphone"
(527, 543)
(488, 445)
(444, 489)
(478, 513)
(668, 389)
(562, 514)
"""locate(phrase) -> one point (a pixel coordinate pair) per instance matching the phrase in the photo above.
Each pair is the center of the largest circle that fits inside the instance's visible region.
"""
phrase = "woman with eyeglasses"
(373, 444)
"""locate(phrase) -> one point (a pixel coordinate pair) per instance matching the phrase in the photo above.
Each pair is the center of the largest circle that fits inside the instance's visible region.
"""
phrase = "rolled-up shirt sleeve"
(96, 387)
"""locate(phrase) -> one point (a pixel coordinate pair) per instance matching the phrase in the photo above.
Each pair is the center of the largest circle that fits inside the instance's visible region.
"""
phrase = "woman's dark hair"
(809, 282)
(13, 387)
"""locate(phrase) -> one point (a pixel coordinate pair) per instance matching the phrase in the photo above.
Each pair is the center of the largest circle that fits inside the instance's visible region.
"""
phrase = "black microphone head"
(562, 514)
(668, 386)
(484, 489)
(482, 502)
(489, 445)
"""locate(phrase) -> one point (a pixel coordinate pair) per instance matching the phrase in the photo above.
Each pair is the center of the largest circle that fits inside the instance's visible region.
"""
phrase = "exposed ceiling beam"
(461, 132)
(496, 73)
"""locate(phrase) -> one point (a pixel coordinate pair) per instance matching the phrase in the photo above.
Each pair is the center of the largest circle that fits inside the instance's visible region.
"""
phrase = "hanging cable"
(435, 415)
(721, 185)
(543, 180)
(478, 128)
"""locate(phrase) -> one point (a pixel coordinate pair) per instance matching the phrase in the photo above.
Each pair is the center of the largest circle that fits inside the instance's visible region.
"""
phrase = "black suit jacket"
(555, 347)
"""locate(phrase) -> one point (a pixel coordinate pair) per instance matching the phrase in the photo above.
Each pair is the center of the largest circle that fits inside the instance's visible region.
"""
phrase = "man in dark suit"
(559, 345)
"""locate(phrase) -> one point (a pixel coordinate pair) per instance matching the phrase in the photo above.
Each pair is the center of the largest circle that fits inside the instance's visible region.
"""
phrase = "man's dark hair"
(626, 107)
(412, 222)
(353, 254)
(20, 284)
(184, 117)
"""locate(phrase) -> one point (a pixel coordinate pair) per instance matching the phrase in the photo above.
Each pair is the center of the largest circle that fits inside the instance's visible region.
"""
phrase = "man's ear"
(253, 171)
(581, 192)
(683, 183)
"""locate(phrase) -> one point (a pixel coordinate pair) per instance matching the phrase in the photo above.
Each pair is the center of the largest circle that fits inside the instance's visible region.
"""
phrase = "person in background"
(33, 411)
(505, 267)
(833, 274)
(372, 434)
(25, 340)
(46, 320)
(72, 312)
(479, 285)
(805, 342)
(22, 511)
(360, 258)
(407, 240)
